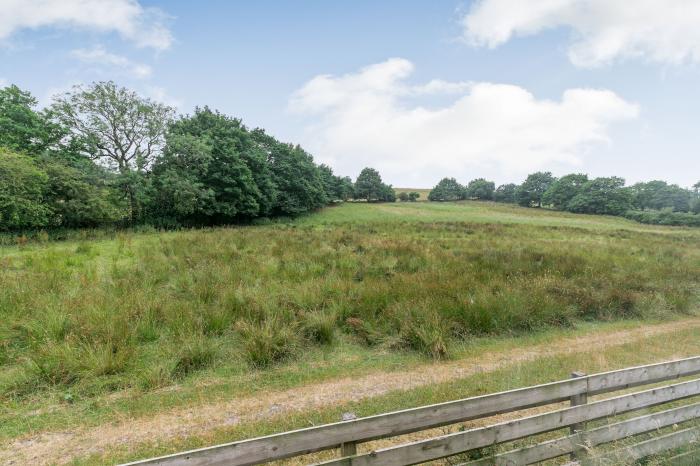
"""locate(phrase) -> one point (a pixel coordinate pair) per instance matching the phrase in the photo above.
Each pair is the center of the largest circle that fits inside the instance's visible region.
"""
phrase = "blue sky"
(420, 90)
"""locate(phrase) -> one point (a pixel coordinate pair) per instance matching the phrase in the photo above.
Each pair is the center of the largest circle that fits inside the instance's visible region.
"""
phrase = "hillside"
(95, 330)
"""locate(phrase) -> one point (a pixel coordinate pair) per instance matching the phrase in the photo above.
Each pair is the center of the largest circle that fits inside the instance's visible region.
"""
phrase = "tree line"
(654, 201)
(103, 155)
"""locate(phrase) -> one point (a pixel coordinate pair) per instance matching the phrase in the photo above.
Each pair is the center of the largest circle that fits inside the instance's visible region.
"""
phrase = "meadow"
(141, 312)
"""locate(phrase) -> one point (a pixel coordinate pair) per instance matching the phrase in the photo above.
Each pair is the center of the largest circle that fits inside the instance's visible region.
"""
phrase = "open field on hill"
(94, 331)
(422, 191)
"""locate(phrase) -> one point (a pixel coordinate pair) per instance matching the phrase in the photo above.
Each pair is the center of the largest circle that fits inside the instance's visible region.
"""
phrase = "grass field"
(231, 311)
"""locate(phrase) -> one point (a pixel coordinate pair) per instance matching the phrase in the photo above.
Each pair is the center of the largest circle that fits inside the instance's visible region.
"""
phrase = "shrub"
(664, 217)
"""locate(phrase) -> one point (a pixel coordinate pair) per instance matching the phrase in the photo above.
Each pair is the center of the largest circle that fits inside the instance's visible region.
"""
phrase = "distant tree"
(369, 185)
(22, 128)
(602, 196)
(403, 196)
(116, 127)
(388, 194)
(448, 189)
(212, 171)
(337, 188)
(22, 189)
(79, 198)
(413, 196)
(506, 193)
(533, 188)
(481, 189)
(695, 206)
(345, 189)
(298, 180)
(657, 194)
(561, 191)
(696, 187)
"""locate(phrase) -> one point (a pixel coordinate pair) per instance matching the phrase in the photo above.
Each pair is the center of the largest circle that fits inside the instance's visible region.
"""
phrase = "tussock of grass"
(148, 310)
(268, 342)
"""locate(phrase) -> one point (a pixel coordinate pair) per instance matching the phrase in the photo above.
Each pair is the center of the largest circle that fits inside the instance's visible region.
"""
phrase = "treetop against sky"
(492, 88)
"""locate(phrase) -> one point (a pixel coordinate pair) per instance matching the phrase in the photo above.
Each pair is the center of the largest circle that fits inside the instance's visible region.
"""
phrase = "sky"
(417, 89)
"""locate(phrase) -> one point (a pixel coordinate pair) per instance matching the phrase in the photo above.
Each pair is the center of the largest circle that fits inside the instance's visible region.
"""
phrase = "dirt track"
(62, 447)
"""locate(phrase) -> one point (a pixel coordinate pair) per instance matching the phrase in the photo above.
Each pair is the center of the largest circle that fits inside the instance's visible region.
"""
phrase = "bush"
(664, 217)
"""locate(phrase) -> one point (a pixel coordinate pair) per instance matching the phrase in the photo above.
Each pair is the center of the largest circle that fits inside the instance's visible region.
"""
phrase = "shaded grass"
(152, 310)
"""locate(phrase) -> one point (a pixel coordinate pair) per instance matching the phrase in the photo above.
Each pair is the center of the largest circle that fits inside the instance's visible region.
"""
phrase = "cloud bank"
(604, 31)
(99, 56)
(371, 118)
(145, 27)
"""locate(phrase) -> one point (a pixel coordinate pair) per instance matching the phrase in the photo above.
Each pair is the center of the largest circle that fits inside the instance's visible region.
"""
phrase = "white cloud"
(367, 119)
(99, 56)
(159, 94)
(664, 31)
(3, 82)
(145, 27)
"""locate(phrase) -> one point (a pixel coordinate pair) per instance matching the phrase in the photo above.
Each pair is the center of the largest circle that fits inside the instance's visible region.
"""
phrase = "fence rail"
(347, 434)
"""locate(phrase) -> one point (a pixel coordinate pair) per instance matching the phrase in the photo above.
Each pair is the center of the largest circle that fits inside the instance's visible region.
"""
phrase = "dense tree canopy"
(22, 128)
(506, 193)
(369, 186)
(530, 193)
(22, 189)
(563, 190)
(103, 155)
(118, 128)
(448, 189)
(481, 189)
(602, 196)
(650, 202)
(658, 194)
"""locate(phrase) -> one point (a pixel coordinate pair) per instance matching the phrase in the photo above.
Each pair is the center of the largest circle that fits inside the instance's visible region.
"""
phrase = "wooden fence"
(578, 391)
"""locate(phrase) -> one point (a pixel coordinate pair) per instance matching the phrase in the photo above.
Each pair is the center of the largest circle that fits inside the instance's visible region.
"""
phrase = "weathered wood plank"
(642, 375)
(309, 440)
(591, 438)
(459, 442)
(681, 438)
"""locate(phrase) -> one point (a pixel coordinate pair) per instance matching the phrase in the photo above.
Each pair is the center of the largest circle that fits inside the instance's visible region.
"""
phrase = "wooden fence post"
(578, 428)
(348, 448)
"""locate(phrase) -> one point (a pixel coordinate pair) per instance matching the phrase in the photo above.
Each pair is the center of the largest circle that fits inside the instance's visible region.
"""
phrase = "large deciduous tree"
(448, 189)
(561, 191)
(116, 127)
(22, 188)
(22, 128)
(657, 194)
(211, 171)
(369, 185)
(602, 196)
(533, 188)
(481, 189)
(506, 193)
(297, 179)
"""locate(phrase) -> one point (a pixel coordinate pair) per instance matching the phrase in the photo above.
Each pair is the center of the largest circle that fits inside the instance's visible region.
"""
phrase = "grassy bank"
(544, 369)
(146, 311)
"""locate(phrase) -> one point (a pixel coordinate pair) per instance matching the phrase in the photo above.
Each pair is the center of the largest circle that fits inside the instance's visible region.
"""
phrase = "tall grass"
(148, 310)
